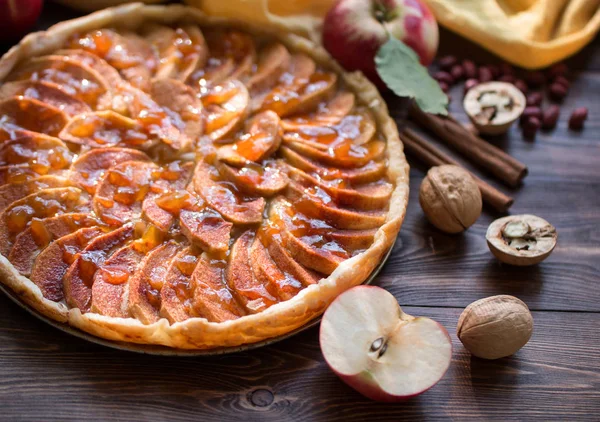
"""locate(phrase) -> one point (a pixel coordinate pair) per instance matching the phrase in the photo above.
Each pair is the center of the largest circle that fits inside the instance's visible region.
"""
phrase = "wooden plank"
(47, 375)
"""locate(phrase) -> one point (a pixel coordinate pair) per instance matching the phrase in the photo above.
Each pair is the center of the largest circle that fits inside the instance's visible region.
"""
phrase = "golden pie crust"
(280, 318)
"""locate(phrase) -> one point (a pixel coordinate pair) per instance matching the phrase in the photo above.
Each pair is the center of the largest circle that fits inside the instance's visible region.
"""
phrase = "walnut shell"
(495, 327)
(521, 239)
(450, 198)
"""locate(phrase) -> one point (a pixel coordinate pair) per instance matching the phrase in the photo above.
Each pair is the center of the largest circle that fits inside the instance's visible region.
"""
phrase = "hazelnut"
(494, 106)
(485, 74)
(470, 83)
(447, 62)
(521, 239)
(521, 85)
(442, 76)
(495, 327)
(470, 69)
(550, 117)
(557, 91)
(578, 117)
(534, 99)
(450, 198)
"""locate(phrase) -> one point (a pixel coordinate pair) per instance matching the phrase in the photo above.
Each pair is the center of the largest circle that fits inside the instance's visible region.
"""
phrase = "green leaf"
(398, 66)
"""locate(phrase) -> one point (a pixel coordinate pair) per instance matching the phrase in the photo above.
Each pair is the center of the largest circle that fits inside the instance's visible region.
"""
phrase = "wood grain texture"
(48, 375)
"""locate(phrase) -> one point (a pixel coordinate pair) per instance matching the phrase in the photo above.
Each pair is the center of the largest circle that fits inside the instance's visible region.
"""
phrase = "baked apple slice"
(308, 241)
(122, 190)
(254, 179)
(46, 92)
(206, 229)
(79, 278)
(146, 283)
(43, 154)
(316, 203)
(110, 74)
(32, 115)
(19, 190)
(181, 104)
(52, 263)
(327, 114)
(273, 60)
(211, 299)
(371, 172)
(372, 196)
(40, 233)
(87, 170)
(260, 140)
(345, 155)
(103, 129)
(283, 285)
(221, 197)
(226, 105)
(249, 291)
(127, 52)
(67, 73)
(16, 173)
(45, 203)
(110, 286)
(181, 51)
(177, 291)
(233, 55)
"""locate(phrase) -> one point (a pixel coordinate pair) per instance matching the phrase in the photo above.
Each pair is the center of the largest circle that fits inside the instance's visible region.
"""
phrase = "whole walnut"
(450, 198)
(495, 327)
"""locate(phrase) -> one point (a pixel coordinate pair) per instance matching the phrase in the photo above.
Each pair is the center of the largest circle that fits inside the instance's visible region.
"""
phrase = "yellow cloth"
(529, 33)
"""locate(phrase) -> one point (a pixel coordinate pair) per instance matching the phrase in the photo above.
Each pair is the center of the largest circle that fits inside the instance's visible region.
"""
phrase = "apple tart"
(176, 180)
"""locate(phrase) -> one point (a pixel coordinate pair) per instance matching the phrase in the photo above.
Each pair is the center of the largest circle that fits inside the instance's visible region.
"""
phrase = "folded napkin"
(528, 33)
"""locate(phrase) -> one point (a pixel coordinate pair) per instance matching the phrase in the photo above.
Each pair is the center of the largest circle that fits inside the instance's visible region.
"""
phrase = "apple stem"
(382, 14)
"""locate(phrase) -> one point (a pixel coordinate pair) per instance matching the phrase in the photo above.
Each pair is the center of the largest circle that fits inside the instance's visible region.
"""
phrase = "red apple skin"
(18, 16)
(364, 384)
(352, 34)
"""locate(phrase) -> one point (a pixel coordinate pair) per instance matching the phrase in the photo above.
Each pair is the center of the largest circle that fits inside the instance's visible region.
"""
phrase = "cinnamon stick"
(432, 156)
(452, 132)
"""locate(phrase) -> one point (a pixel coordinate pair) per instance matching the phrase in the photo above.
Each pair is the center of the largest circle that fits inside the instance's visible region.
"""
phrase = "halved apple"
(380, 351)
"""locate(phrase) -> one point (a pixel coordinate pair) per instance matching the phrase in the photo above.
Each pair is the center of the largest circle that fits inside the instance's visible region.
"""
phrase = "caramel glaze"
(183, 173)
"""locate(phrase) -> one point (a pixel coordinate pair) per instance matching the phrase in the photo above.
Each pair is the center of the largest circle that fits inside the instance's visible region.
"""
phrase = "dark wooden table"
(48, 375)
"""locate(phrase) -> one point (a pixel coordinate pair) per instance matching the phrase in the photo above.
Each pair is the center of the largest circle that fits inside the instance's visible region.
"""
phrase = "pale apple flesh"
(380, 351)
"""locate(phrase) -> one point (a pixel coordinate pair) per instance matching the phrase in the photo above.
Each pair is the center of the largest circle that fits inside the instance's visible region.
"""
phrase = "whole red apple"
(354, 30)
(18, 16)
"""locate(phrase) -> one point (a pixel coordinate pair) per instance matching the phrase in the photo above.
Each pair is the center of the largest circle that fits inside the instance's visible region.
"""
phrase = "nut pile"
(553, 80)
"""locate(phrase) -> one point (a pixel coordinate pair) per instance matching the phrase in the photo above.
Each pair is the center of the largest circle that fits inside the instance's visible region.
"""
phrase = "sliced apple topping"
(371, 172)
(380, 351)
(223, 198)
(146, 283)
(181, 104)
(79, 278)
(106, 129)
(271, 236)
(211, 299)
(356, 128)
(273, 61)
(177, 291)
(40, 233)
(46, 92)
(181, 51)
(225, 108)
(309, 241)
(372, 196)
(32, 115)
(206, 229)
(16, 173)
(249, 291)
(52, 263)
(110, 286)
(110, 74)
(283, 285)
(261, 138)
(232, 55)
(121, 191)
(87, 170)
(45, 203)
(345, 155)
(315, 202)
(18, 190)
(327, 114)
(71, 75)
(42, 153)
(127, 52)
(267, 179)
(302, 96)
